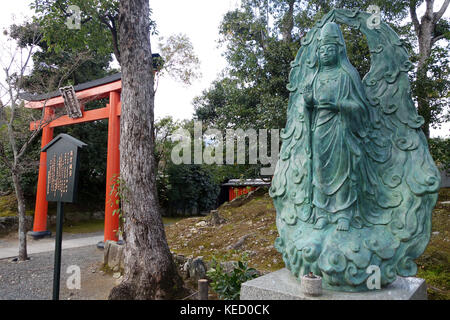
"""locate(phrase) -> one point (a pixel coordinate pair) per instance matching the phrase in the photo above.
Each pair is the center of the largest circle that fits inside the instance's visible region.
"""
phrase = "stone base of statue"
(282, 285)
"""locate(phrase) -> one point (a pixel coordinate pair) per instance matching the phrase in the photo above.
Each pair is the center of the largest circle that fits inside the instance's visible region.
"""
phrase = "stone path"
(9, 248)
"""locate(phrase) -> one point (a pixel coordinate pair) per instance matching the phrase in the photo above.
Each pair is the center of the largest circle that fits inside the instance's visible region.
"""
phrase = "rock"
(216, 219)
(179, 259)
(201, 247)
(195, 268)
(113, 255)
(106, 252)
(119, 280)
(116, 275)
(239, 243)
(201, 224)
(250, 253)
(99, 215)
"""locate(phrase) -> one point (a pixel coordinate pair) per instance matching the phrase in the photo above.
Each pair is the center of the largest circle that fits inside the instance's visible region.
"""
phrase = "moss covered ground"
(434, 264)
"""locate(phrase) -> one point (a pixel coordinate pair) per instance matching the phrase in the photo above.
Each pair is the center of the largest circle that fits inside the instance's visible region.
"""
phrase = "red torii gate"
(108, 87)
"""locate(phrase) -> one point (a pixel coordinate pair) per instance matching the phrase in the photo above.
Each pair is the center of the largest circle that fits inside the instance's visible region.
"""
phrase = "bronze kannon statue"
(355, 184)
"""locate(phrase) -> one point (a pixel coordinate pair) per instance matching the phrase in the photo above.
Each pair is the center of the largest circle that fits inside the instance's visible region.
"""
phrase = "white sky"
(199, 20)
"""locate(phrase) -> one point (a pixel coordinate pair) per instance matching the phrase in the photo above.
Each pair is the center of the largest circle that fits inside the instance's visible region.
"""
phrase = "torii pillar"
(41, 207)
(112, 169)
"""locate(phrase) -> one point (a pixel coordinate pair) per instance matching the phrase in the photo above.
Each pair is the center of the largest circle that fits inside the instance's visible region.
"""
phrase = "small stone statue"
(355, 184)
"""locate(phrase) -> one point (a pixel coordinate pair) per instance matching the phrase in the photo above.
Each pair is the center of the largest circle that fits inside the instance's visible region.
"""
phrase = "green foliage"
(228, 285)
(432, 90)
(119, 193)
(29, 161)
(191, 188)
(53, 15)
(440, 151)
(98, 26)
(180, 61)
(262, 38)
(70, 65)
(98, 35)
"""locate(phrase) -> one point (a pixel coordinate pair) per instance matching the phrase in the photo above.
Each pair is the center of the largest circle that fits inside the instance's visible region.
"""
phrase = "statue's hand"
(308, 95)
(347, 105)
(329, 106)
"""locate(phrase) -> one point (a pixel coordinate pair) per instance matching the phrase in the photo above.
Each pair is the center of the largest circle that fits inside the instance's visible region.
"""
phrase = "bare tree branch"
(438, 15)
(429, 9)
(414, 18)
(435, 39)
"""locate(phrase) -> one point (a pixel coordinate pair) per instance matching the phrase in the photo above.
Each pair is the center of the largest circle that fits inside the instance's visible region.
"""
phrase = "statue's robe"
(336, 146)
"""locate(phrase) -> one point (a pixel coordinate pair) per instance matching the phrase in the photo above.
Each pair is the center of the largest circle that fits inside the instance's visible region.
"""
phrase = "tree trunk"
(288, 22)
(426, 38)
(150, 272)
(23, 256)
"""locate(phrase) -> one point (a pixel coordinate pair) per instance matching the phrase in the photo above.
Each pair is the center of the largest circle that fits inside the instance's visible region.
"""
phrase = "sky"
(199, 20)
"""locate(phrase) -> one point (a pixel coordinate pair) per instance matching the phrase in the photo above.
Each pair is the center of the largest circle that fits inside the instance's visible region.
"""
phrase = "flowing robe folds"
(335, 143)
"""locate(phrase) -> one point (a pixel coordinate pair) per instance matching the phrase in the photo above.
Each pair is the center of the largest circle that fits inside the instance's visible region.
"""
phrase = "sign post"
(62, 179)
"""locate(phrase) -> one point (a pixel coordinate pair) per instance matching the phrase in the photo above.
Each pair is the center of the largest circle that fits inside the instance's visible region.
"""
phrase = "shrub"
(228, 284)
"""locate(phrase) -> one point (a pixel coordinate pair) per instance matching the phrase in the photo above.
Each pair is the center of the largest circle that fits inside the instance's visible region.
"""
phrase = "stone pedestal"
(282, 285)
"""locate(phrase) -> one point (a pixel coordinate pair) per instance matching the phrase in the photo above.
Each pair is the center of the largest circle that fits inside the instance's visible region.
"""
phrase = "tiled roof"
(246, 182)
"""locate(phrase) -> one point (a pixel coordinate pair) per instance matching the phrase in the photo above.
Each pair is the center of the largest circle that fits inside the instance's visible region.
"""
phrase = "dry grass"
(253, 218)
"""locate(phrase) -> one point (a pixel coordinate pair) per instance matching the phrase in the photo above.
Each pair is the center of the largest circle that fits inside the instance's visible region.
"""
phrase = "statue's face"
(328, 54)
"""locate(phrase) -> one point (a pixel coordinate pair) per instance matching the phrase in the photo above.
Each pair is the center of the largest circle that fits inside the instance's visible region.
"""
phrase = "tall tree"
(15, 136)
(262, 37)
(98, 21)
(98, 31)
(150, 272)
(429, 30)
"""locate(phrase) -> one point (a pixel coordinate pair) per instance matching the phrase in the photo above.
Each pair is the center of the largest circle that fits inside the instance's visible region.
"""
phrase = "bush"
(228, 285)
(440, 151)
(191, 188)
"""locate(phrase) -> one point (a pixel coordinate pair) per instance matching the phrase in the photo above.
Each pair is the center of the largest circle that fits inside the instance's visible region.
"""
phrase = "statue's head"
(331, 44)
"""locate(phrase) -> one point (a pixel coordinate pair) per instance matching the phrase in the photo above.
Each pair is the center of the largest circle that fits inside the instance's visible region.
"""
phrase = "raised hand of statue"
(308, 95)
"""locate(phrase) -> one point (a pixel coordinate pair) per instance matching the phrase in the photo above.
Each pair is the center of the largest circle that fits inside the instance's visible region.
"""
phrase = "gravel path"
(33, 279)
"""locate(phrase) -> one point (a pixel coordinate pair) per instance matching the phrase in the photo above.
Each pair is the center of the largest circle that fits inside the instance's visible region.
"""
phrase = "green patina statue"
(355, 184)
